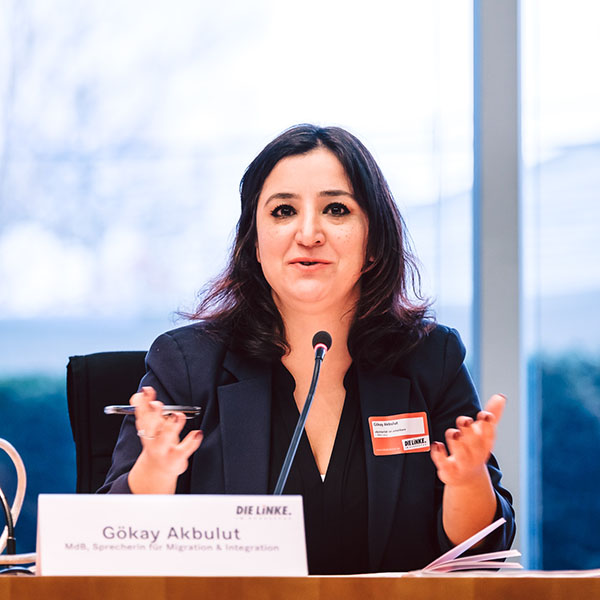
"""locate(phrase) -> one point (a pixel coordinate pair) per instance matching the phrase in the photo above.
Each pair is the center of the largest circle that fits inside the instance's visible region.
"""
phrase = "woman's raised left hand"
(469, 445)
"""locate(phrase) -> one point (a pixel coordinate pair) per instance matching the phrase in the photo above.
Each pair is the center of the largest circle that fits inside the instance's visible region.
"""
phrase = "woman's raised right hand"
(164, 456)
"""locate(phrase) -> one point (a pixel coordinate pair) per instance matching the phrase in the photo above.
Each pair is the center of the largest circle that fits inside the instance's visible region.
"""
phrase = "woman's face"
(311, 234)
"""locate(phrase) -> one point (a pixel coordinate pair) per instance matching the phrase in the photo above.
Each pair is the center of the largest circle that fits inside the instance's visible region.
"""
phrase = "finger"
(475, 443)
(470, 436)
(486, 425)
(453, 441)
(173, 422)
(165, 432)
(148, 412)
(190, 443)
(487, 422)
(478, 438)
(142, 398)
(439, 455)
(464, 425)
(495, 406)
(145, 403)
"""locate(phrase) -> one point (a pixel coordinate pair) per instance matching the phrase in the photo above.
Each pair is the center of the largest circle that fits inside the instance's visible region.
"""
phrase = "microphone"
(321, 343)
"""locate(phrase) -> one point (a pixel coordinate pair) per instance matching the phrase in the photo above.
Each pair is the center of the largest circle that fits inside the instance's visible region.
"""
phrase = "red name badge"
(399, 434)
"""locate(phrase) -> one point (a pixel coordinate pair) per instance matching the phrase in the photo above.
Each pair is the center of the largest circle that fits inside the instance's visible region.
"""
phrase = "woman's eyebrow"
(336, 193)
(281, 196)
(324, 194)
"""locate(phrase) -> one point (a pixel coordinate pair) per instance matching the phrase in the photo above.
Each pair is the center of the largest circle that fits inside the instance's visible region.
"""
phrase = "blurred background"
(125, 127)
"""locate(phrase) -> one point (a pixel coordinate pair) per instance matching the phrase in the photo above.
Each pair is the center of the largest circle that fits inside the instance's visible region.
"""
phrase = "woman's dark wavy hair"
(238, 304)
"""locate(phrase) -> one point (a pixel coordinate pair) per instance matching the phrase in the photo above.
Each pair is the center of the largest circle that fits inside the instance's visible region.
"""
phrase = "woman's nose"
(310, 231)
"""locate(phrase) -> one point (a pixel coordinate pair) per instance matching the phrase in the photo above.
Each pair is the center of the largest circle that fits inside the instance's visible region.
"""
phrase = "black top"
(335, 510)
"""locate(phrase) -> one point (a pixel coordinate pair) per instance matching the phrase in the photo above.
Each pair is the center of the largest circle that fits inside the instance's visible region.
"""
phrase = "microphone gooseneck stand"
(7, 540)
(321, 343)
(11, 543)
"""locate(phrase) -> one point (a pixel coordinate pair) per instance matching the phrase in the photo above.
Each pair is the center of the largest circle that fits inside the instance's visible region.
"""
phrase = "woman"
(321, 245)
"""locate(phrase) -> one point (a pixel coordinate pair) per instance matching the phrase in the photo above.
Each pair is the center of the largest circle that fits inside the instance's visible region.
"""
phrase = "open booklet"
(491, 560)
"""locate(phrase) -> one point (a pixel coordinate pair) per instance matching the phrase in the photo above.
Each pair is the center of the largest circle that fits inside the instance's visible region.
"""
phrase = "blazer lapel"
(245, 414)
(381, 395)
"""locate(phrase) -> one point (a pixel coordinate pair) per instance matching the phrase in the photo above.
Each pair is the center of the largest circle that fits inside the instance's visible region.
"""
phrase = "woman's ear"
(257, 252)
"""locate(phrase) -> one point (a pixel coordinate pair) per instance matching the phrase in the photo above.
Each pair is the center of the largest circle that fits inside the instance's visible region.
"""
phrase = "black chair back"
(93, 382)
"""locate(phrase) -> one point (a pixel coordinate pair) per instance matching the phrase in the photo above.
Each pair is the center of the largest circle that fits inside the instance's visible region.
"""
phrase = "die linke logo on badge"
(399, 434)
(420, 442)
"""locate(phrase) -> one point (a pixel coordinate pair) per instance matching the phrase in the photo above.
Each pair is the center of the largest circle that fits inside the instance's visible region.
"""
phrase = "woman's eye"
(337, 209)
(283, 210)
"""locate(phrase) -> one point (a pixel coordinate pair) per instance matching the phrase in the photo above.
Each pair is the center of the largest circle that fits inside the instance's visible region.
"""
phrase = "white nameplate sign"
(80, 534)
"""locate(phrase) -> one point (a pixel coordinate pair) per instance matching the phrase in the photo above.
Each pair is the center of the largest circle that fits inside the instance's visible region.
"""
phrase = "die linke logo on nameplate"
(184, 535)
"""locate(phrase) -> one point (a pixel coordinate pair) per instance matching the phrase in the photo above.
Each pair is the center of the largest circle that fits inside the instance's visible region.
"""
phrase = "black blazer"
(185, 366)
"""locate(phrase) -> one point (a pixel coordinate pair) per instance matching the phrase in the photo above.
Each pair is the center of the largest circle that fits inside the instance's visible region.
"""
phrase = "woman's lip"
(309, 266)
(307, 262)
